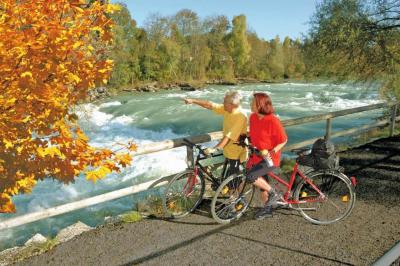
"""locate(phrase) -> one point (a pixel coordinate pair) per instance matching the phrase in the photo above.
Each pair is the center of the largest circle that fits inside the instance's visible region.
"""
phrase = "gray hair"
(233, 97)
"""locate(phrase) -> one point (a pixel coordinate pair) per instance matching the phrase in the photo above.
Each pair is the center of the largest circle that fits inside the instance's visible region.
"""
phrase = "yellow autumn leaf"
(26, 119)
(104, 70)
(97, 28)
(11, 101)
(52, 151)
(80, 10)
(89, 64)
(111, 8)
(73, 78)
(98, 173)
(46, 113)
(82, 136)
(77, 44)
(8, 143)
(132, 147)
(124, 159)
(12, 190)
(6, 206)
(26, 74)
(26, 184)
(19, 149)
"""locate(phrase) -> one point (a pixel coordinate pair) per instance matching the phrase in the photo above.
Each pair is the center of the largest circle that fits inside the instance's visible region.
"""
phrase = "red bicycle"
(321, 196)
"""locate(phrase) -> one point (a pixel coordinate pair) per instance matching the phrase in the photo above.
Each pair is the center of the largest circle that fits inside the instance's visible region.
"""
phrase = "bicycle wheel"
(183, 194)
(336, 203)
(231, 199)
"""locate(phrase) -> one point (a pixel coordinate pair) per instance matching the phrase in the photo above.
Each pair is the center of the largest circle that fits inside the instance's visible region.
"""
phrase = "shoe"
(273, 198)
(265, 212)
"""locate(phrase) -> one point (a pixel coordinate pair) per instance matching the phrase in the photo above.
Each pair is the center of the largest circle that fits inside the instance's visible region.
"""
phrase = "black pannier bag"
(322, 156)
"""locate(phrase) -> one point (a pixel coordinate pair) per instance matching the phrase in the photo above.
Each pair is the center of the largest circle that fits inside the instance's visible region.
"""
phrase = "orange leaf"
(6, 206)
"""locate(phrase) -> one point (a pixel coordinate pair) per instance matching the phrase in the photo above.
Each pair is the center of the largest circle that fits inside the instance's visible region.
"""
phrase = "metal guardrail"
(389, 257)
(174, 143)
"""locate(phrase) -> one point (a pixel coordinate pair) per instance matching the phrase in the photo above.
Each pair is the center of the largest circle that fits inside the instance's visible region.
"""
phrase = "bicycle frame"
(289, 186)
(201, 170)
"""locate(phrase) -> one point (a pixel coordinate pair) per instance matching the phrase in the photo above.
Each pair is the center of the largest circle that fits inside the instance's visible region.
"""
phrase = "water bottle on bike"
(266, 155)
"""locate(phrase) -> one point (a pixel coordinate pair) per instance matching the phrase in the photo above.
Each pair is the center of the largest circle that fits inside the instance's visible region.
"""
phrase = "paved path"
(285, 239)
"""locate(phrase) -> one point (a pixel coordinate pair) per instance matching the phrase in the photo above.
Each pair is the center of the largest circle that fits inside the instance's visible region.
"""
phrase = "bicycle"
(322, 197)
(185, 191)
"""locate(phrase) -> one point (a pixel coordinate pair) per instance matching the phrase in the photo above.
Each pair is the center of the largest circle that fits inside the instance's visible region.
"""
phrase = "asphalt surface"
(286, 239)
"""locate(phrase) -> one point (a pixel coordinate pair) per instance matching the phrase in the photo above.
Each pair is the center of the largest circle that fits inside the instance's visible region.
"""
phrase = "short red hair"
(263, 103)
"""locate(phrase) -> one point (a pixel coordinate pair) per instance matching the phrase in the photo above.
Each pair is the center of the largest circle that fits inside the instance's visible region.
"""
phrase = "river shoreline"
(155, 86)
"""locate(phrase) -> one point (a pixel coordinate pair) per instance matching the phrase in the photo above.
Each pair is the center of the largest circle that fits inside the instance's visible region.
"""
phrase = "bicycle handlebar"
(189, 143)
(251, 147)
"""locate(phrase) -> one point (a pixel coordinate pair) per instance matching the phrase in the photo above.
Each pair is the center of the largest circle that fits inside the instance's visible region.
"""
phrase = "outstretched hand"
(188, 101)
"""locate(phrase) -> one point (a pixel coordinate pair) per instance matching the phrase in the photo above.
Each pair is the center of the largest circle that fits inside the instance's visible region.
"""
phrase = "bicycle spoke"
(336, 202)
(232, 198)
(183, 194)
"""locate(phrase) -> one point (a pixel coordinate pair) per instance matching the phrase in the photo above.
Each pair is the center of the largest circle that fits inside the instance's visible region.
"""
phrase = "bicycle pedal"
(239, 206)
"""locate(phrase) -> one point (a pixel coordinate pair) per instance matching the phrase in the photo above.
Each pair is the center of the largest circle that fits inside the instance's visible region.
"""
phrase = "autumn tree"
(51, 53)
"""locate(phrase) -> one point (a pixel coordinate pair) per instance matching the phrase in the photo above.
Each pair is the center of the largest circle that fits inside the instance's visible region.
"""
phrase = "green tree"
(276, 59)
(238, 44)
(221, 64)
(125, 49)
(160, 53)
(357, 39)
(257, 66)
(293, 58)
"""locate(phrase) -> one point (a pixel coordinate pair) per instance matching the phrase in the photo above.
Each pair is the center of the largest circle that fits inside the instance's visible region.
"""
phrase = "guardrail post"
(328, 128)
(393, 119)
(189, 156)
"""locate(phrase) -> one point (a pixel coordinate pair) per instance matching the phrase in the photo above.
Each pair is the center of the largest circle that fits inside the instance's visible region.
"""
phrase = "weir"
(175, 143)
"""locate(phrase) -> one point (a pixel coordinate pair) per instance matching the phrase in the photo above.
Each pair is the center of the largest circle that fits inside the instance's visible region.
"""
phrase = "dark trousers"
(260, 169)
(230, 167)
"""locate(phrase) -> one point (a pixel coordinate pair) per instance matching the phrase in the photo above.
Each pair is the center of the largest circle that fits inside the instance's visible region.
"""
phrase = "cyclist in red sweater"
(267, 135)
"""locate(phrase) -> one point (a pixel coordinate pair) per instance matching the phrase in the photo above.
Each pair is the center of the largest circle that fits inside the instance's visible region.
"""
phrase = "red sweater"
(265, 134)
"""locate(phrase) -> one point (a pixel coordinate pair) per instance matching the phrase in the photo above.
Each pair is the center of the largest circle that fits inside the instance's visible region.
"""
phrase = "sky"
(267, 18)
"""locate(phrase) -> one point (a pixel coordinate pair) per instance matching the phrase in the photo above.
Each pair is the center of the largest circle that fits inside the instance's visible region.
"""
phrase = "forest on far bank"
(185, 48)
(347, 40)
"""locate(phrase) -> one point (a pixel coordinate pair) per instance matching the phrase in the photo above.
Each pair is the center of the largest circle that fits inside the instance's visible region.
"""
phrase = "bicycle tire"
(181, 196)
(237, 204)
(339, 201)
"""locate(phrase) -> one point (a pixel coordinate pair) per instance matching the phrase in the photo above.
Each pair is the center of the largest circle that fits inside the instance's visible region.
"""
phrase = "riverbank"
(155, 86)
(370, 230)
(189, 85)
